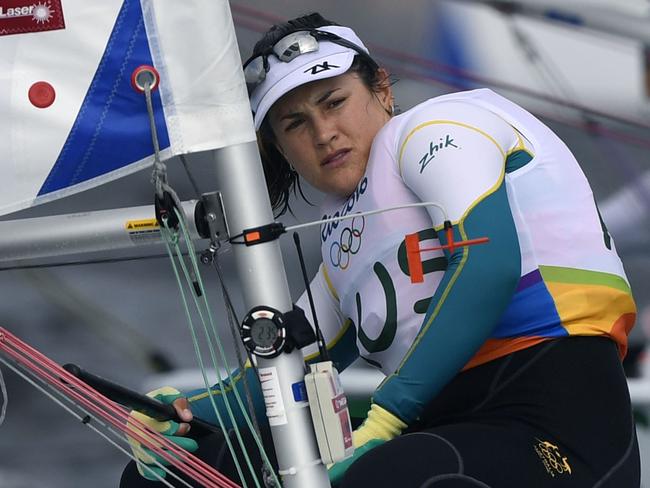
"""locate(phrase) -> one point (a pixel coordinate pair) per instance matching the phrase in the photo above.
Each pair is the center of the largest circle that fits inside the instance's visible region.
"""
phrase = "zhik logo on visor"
(319, 68)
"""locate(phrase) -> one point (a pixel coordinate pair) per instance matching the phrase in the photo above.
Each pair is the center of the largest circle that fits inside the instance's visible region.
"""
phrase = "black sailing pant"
(554, 415)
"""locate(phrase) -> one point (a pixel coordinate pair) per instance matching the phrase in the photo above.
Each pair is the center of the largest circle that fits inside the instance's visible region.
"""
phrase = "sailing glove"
(149, 462)
(380, 426)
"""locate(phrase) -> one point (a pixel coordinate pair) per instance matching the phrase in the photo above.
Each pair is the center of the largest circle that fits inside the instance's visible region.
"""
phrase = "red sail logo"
(23, 16)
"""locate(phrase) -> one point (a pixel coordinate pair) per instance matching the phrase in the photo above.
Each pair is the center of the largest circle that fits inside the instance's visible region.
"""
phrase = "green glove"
(380, 426)
(145, 457)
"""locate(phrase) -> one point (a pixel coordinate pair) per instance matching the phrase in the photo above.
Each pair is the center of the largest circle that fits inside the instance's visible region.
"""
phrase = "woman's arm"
(456, 156)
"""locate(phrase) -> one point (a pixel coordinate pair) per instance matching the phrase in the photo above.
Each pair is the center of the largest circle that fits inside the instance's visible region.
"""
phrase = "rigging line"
(556, 81)
(215, 363)
(159, 173)
(215, 333)
(102, 402)
(369, 212)
(533, 57)
(548, 72)
(85, 262)
(64, 381)
(5, 398)
(604, 131)
(24, 375)
(232, 321)
(32, 359)
(432, 79)
(190, 176)
(269, 477)
(172, 239)
(103, 322)
(257, 438)
(405, 58)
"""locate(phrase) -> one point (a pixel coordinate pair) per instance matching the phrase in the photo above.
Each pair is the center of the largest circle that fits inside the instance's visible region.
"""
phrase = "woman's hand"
(380, 426)
(148, 462)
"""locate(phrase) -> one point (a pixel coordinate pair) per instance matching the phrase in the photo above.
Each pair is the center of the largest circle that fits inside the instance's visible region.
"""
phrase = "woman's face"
(325, 130)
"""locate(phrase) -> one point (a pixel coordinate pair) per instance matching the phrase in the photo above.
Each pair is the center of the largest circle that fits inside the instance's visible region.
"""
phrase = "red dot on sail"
(42, 94)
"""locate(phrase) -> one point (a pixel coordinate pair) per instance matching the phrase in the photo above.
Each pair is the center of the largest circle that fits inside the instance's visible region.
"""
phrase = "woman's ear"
(384, 91)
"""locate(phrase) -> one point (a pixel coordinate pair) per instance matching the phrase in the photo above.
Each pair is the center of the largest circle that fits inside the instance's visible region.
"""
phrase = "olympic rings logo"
(349, 243)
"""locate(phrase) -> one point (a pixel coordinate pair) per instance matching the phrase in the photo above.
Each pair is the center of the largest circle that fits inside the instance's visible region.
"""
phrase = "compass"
(264, 332)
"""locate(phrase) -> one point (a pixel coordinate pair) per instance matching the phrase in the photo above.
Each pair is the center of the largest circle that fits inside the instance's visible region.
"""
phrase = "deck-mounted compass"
(264, 332)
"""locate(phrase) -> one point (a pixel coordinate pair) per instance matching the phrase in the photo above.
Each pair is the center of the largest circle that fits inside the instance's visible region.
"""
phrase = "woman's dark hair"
(281, 178)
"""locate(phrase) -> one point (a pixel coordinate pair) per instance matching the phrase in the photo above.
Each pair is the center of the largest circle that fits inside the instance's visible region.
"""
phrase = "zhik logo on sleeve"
(443, 143)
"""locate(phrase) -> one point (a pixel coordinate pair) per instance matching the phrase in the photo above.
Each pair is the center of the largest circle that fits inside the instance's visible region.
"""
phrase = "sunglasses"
(290, 47)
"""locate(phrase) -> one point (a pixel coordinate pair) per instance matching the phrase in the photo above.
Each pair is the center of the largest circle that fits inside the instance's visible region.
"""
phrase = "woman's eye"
(336, 102)
(293, 125)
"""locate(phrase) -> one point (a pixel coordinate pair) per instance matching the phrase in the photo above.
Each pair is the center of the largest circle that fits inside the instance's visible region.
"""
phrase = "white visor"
(330, 60)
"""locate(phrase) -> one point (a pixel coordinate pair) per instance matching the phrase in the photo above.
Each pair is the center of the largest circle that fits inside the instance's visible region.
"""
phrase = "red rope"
(112, 413)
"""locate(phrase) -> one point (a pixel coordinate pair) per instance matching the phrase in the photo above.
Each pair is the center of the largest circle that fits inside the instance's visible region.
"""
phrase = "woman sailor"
(503, 365)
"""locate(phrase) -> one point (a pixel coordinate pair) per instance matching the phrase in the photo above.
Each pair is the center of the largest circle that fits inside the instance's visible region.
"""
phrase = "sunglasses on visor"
(290, 47)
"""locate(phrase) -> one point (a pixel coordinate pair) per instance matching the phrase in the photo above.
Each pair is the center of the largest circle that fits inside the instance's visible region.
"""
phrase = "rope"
(173, 242)
(97, 408)
(90, 424)
(190, 176)
(159, 174)
(269, 478)
(219, 346)
(193, 277)
(369, 212)
(5, 398)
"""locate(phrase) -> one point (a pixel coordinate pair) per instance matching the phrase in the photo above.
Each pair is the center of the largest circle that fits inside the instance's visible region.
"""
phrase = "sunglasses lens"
(294, 45)
(254, 71)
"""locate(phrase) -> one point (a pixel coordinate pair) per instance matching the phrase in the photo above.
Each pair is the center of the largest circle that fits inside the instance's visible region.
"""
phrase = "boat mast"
(264, 282)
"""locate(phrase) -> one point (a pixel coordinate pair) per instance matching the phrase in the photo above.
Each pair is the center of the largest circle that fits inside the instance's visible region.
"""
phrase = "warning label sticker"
(144, 224)
(24, 16)
(143, 230)
(272, 396)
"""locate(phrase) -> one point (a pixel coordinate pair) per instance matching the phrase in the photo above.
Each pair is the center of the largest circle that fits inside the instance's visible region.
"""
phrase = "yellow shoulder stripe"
(450, 122)
(218, 391)
(521, 145)
(330, 286)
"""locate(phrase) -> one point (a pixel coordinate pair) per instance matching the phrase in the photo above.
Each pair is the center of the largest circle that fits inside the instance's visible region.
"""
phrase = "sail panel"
(93, 126)
(207, 106)
(108, 133)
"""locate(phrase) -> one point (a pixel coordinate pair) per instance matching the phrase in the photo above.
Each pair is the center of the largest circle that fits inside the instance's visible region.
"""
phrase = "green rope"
(171, 239)
(215, 364)
(251, 428)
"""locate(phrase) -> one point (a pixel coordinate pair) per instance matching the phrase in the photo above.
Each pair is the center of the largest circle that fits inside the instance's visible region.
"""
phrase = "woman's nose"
(325, 130)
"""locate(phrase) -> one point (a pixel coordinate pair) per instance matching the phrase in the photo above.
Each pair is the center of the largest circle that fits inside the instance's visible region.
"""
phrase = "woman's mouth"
(336, 158)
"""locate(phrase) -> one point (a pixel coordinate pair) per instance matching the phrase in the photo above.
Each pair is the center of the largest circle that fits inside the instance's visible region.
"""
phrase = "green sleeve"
(202, 408)
(475, 291)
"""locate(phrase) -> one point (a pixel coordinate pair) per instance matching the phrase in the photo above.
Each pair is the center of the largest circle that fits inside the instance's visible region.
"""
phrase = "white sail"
(69, 117)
